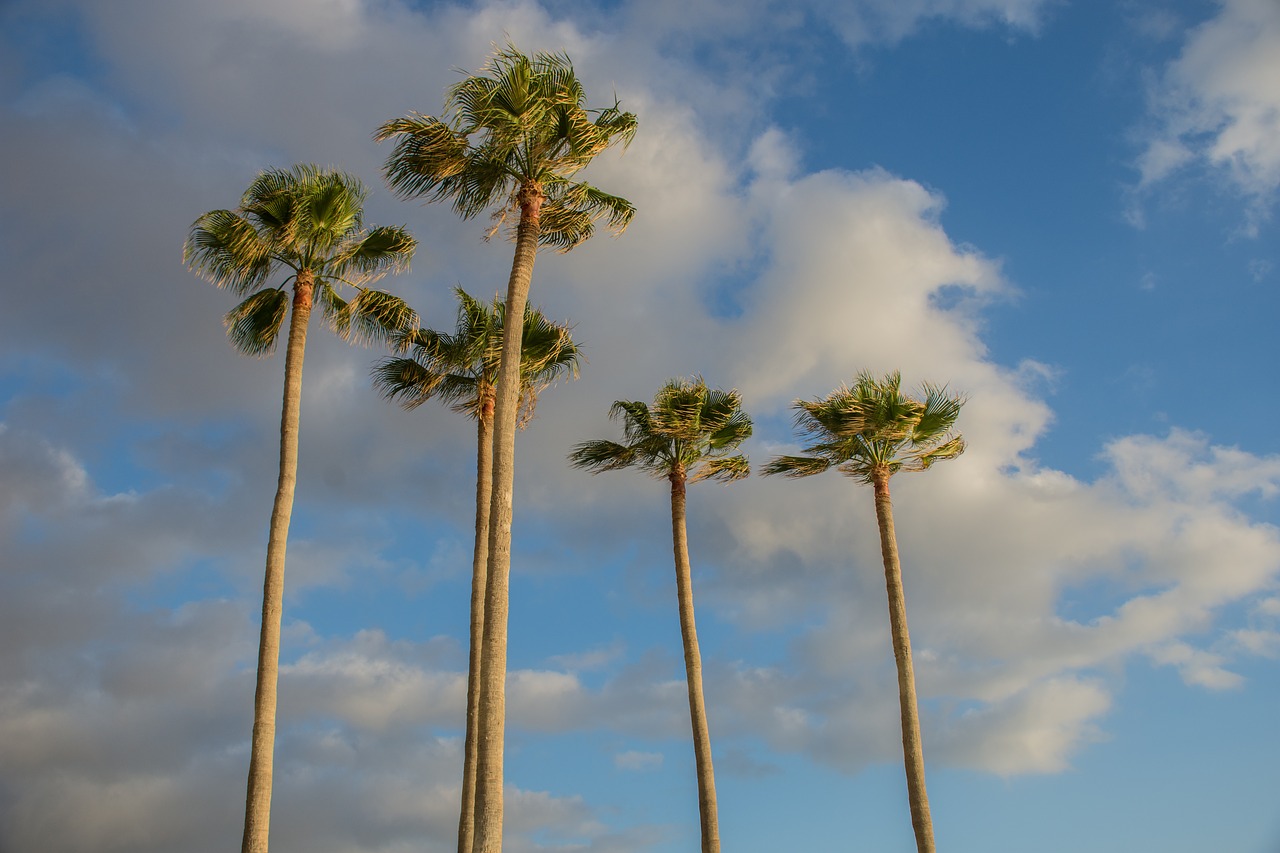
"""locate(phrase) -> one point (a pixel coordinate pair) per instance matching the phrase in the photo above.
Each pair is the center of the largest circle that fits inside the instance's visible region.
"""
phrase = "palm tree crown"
(871, 428)
(690, 428)
(519, 129)
(461, 369)
(310, 221)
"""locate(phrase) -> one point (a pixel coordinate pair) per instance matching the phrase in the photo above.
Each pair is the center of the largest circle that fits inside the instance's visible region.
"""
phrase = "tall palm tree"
(685, 436)
(510, 142)
(300, 229)
(462, 369)
(870, 431)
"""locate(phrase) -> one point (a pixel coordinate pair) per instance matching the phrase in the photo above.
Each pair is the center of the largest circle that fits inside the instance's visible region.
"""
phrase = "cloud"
(638, 761)
(876, 21)
(1218, 104)
(1033, 732)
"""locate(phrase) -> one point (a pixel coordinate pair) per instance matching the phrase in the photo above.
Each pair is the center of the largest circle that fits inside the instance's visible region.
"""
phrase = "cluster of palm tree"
(510, 142)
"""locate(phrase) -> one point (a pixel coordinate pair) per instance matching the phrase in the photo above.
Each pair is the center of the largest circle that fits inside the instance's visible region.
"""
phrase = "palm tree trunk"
(693, 670)
(257, 812)
(479, 570)
(493, 657)
(912, 746)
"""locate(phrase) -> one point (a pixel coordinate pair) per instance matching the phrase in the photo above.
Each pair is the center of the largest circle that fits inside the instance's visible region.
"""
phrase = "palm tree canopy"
(520, 127)
(457, 368)
(308, 220)
(871, 427)
(689, 430)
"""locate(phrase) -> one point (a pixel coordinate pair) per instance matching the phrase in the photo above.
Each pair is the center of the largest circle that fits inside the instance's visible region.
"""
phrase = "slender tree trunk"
(257, 811)
(479, 571)
(693, 670)
(912, 746)
(493, 658)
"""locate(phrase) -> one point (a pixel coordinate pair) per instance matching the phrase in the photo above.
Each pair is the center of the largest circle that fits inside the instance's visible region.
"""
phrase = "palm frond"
(795, 466)
(254, 325)
(225, 248)
(374, 254)
(371, 316)
(952, 447)
(938, 416)
(405, 381)
(726, 469)
(597, 456)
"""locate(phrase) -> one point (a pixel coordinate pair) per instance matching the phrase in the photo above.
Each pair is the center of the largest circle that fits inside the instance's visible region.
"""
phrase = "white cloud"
(1034, 732)
(1197, 666)
(889, 21)
(1218, 103)
(635, 760)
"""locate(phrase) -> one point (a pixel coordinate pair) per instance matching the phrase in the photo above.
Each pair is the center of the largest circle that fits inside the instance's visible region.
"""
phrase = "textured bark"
(493, 658)
(693, 670)
(912, 746)
(479, 571)
(257, 812)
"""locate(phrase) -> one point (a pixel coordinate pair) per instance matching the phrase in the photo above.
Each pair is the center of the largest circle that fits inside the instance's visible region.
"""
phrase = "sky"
(1064, 211)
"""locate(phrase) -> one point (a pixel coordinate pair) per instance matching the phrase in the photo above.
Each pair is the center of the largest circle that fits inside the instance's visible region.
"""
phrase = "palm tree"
(462, 369)
(511, 141)
(870, 432)
(307, 223)
(685, 436)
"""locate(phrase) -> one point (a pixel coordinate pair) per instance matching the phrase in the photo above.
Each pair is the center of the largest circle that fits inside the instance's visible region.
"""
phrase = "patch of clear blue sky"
(51, 42)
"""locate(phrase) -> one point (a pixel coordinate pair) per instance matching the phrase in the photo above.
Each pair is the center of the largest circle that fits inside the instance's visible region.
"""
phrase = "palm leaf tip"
(597, 456)
(795, 467)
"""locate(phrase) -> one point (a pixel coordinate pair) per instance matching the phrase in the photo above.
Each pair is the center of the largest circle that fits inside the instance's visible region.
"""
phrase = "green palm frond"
(796, 466)
(255, 323)
(689, 430)
(405, 381)
(572, 209)
(597, 456)
(225, 248)
(376, 253)
(871, 427)
(725, 469)
(370, 316)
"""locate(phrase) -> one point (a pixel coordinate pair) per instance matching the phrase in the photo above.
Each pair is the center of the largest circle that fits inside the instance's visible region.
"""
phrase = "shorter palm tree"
(687, 435)
(870, 431)
(462, 369)
(305, 224)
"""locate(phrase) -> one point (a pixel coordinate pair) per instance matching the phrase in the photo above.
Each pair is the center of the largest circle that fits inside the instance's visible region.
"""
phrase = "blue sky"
(1066, 211)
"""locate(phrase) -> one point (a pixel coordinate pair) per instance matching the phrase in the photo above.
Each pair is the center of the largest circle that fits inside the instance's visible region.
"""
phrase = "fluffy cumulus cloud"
(129, 592)
(1218, 103)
